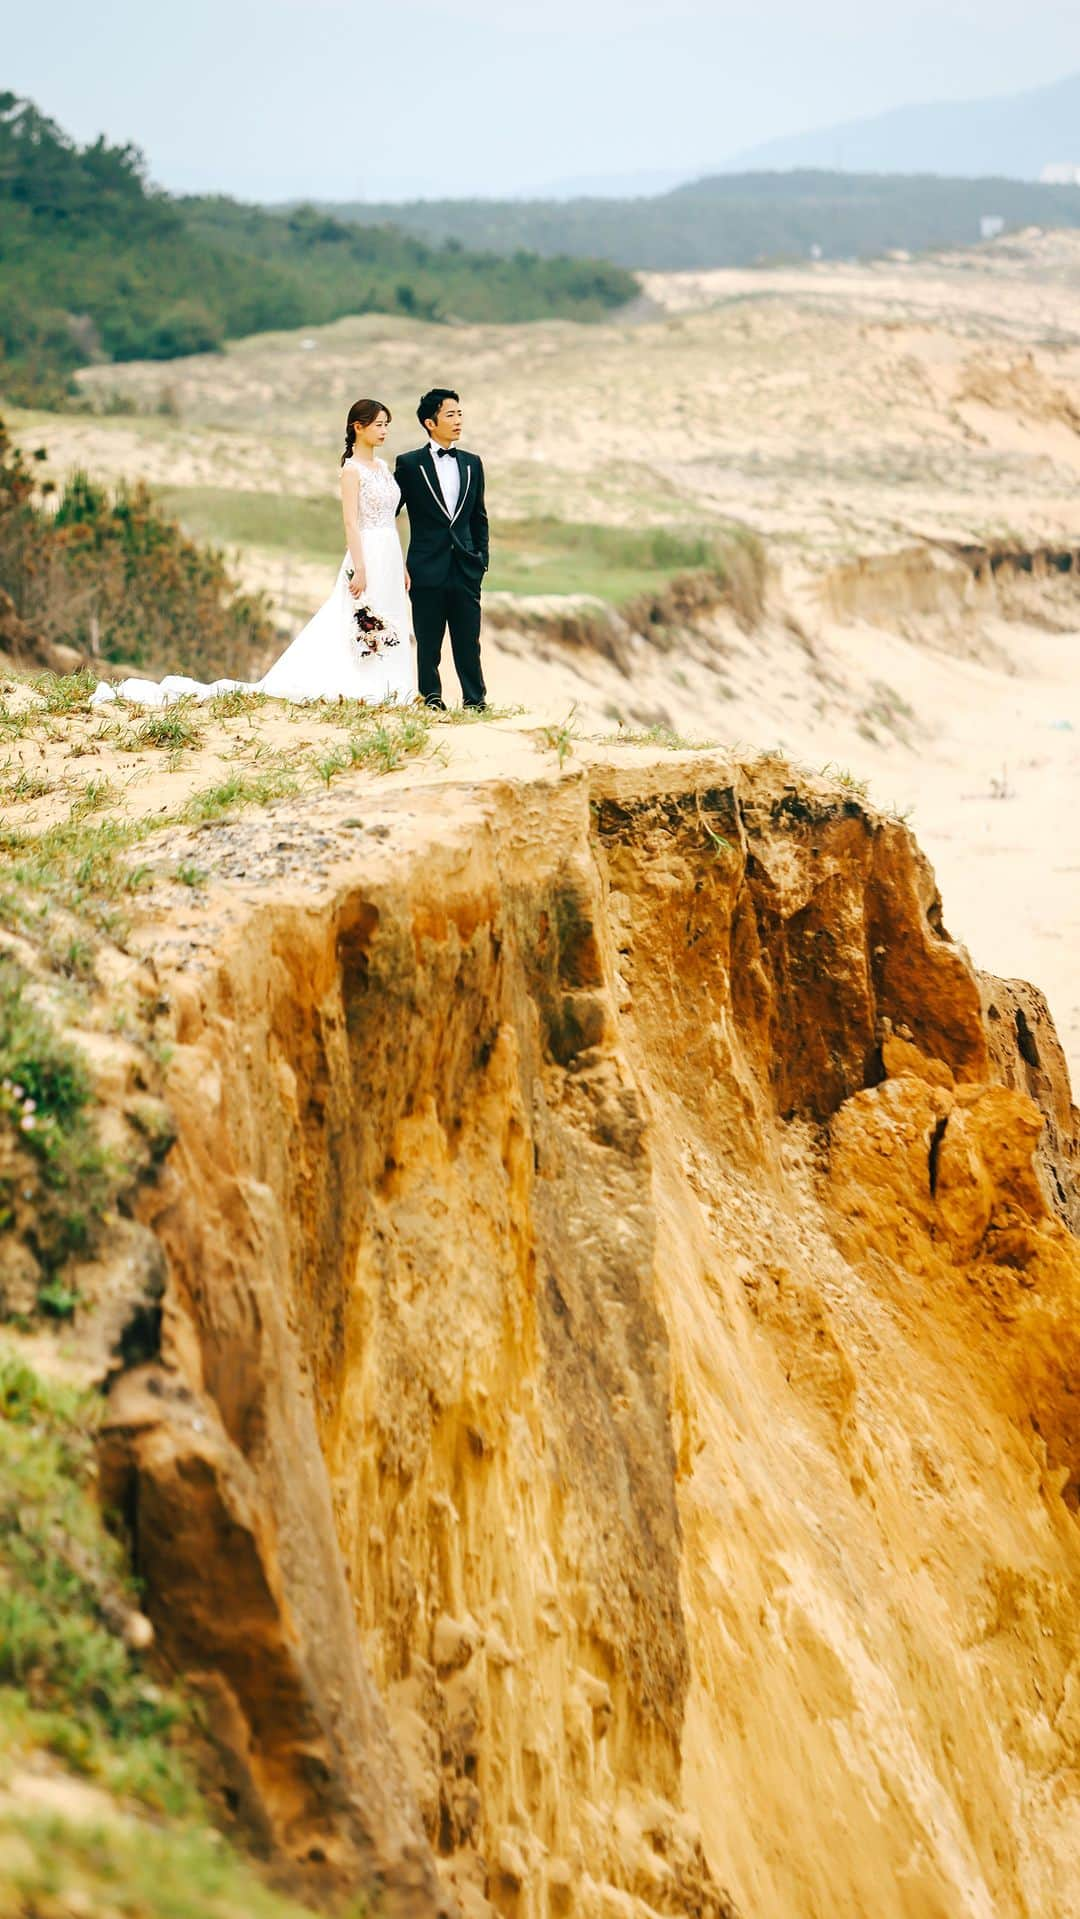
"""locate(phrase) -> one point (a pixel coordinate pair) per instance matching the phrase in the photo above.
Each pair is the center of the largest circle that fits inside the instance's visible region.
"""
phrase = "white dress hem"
(325, 660)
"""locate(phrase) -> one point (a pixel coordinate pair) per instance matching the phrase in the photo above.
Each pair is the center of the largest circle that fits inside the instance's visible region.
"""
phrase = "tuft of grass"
(65, 693)
(384, 747)
(719, 844)
(29, 784)
(663, 736)
(560, 739)
(471, 716)
(171, 727)
(339, 712)
(189, 874)
(843, 776)
(326, 765)
(95, 796)
(214, 802)
(278, 782)
(252, 749)
(16, 721)
(227, 706)
(344, 712)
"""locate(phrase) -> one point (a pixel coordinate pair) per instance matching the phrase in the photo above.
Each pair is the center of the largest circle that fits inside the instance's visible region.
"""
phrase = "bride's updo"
(362, 413)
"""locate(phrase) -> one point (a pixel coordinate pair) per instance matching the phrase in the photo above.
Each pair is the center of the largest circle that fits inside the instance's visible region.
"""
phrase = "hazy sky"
(350, 99)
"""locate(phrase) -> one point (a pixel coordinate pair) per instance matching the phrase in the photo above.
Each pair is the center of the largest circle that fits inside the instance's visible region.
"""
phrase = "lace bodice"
(379, 494)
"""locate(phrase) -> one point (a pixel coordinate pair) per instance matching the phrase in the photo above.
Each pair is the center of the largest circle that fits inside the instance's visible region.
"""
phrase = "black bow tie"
(448, 453)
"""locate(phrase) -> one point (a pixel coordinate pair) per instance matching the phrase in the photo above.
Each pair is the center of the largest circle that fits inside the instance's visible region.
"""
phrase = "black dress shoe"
(436, 706)
(476, 706)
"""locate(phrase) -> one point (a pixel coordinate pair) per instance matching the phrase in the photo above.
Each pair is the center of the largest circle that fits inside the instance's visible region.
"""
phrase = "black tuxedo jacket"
(441, 543)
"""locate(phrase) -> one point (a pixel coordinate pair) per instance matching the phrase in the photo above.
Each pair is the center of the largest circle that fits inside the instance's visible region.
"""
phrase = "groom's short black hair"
(431, 402)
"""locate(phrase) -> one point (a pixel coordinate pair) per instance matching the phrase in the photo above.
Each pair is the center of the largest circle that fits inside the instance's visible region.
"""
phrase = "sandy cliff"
(614, 1446)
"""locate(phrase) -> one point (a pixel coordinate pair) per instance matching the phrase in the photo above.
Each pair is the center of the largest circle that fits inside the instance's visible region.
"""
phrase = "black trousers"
(434, 609)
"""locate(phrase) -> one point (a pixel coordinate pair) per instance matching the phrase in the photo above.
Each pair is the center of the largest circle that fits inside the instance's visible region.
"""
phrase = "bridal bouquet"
(372, 631)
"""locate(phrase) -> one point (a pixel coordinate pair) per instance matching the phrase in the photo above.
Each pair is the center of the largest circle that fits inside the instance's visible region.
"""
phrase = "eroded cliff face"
(944, 593)
(614, 1446)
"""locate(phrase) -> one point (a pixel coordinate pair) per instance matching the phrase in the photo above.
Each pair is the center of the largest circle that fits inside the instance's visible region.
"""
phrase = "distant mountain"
(611, 186)
(1015, 136)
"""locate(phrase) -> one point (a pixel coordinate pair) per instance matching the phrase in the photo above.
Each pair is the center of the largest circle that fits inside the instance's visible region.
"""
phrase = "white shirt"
(449, 476)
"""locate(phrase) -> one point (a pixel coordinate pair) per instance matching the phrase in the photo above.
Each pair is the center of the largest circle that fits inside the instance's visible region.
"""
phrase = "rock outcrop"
(613, 1448)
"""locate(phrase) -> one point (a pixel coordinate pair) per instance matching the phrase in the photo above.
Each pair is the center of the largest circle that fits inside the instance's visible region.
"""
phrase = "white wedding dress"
(326, 660)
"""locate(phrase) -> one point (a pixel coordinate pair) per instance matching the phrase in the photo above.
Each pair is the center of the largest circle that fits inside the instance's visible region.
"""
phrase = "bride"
(332, 656)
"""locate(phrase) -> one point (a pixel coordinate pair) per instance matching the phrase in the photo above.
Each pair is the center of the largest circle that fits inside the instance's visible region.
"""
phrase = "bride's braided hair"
(362, 413)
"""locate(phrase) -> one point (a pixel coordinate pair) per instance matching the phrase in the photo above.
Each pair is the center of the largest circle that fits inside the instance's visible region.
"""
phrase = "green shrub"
(109, 573)
(67, 1680)
(42, 1067)
(52, 1867)
(45, 1095)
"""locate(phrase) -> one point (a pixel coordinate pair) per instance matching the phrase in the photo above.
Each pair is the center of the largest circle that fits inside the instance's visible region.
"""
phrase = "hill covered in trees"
(742, 219)
(96, 263)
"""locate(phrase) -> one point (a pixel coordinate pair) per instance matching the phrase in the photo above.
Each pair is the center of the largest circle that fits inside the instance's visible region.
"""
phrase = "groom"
(442, 490)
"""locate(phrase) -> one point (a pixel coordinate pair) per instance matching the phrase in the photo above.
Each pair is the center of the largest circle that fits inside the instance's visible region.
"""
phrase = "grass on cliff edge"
(74, 1699)
(68, 884)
